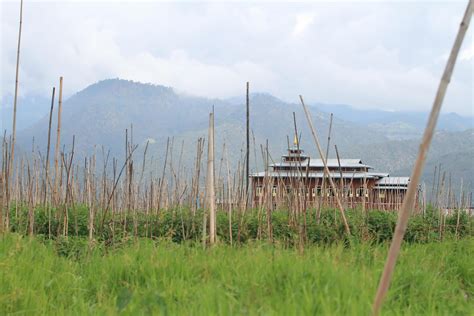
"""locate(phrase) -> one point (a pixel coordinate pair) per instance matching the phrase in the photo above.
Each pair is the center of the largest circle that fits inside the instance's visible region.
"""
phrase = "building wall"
(275, 192)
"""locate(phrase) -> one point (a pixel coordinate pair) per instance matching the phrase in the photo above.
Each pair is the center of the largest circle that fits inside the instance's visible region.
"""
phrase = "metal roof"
(334, 175)
(390, 188)
(331, 163)
(393, 181)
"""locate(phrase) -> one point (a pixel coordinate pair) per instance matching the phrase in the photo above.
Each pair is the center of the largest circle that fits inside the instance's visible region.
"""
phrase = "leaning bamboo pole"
(420, 161)
(331, 182)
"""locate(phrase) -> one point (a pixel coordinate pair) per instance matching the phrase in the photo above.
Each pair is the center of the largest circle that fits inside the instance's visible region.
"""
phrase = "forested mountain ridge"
(98, 116)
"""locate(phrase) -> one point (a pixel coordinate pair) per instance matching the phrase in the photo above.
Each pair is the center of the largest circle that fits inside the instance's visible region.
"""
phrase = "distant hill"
(453, 150)
(99, 115)
(400, 124)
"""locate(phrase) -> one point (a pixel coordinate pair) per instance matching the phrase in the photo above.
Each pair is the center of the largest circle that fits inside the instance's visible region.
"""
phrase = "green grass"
(180, 226)
(149, 277)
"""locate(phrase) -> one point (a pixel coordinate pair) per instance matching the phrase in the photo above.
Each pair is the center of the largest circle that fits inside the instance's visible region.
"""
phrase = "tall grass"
(143, 277)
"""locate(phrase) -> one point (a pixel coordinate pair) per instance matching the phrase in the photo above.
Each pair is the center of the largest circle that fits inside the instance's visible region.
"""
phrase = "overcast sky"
(386, 55)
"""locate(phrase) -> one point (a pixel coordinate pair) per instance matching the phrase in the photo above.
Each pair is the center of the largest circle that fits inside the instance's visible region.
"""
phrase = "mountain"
(400, 124)
(454, 151)
(98, 116)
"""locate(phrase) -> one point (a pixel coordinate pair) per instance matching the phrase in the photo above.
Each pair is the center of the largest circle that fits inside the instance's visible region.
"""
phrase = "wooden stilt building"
(300, 177)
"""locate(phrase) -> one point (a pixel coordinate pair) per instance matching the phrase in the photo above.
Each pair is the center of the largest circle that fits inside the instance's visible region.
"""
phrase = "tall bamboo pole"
(48, 148)
(47, 182)
(58, 140)
(210, 182)
(229, 189)
(420, 161)
(10, 163)
(15, 98)
(247, 153)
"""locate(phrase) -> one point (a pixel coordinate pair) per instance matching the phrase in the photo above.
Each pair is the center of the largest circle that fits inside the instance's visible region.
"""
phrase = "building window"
(348, 191)
(274, 191)
(360, 192)
(382, 194)
(329, 192)
(318, 191)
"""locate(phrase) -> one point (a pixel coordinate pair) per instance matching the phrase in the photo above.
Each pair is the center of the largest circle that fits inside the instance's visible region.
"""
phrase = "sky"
(372, 54)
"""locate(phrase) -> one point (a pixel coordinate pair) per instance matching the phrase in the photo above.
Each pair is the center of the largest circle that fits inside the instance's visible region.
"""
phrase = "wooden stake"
(420, 161)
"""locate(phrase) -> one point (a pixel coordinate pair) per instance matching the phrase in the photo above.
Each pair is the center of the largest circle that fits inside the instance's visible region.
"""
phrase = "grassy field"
(180, 226)
(142, 277)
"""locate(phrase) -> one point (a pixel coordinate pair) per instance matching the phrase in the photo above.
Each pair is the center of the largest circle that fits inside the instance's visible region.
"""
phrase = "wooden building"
(302, 178)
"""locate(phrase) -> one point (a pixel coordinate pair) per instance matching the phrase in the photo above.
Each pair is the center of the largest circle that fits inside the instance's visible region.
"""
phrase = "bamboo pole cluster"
(117, 191)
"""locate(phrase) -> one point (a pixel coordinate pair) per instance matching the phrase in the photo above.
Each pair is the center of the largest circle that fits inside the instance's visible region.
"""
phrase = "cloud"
(303, 21)
(468, 53)
(368, 55)
(193, 76)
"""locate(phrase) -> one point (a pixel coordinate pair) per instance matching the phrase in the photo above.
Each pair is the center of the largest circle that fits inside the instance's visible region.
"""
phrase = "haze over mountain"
(98, 116)
(31, 108)
(398, 124)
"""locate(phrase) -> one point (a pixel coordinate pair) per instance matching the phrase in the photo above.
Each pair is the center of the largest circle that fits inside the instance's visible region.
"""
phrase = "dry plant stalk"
(420, 161)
